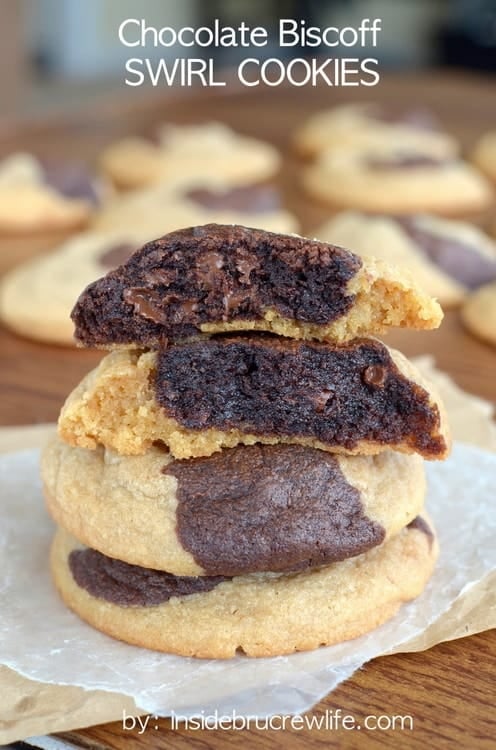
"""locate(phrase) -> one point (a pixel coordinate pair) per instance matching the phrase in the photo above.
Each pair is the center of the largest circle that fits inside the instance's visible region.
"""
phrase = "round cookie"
(196, 399)
(36, 297)
(264, 614)
(479, 313)
(36, 198)
(370, 124)
(484, 155)
(201, 202)
(184, 152)
(245, 510)
(447, 258)
(389, 180)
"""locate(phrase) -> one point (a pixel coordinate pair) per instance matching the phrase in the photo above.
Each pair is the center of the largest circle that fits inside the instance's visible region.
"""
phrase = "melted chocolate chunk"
(116, 255)
(404, 161)
(460, 261)
(72, 180)
(130, 585)
(339, 395)
(269, 508)
(421, 524)
(259, 199)
(214, 273)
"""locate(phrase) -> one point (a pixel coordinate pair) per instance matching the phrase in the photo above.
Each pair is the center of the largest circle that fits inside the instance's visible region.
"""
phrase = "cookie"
(447, 258)
(479, 313)
(264, 614)
(162, 208)
(370, 124)
(218, 393)
(35, 197)
(217, 278)
(388, 180)
(182, 152)
(484, 155)
(36, 297)
(244, 510)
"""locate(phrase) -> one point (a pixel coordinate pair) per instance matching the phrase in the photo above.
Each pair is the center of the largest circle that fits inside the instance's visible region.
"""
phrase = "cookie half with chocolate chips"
(447, 258)
(36, 297)
(249, 509)
(394, 180)
(263, 614)
(218, 278)
(224, 391)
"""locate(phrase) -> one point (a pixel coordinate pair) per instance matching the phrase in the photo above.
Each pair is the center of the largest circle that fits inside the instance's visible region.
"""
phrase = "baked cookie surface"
(183, 152)
(388, 180)
(369, 124)
(263, 614)
(218, 278)
(218, 393)
(479, 313)
(244, 510)
(447, 258)
(484, 155)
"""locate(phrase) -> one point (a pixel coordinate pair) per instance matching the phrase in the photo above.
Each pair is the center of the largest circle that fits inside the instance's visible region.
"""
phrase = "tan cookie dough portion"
(115, 406)
(355, 125)
(125, 506)
(36, 298)
(383, 237)
(161, 209)
(484, 155)
(27, 204)
(479, 313)
(187, 151)
(342, 178)
(265, 614)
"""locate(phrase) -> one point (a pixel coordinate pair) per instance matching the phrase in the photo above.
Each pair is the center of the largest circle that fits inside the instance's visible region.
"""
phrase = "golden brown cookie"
(243, 510)
(479, 313)
(484, 155)
(263, 614)
(218, 278)
(219, 393)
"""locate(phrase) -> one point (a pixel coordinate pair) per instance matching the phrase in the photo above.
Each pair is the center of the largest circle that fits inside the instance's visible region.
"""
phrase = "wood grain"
(449, 690)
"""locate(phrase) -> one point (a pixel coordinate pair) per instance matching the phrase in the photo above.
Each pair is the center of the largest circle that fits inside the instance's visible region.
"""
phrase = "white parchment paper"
(42, 640)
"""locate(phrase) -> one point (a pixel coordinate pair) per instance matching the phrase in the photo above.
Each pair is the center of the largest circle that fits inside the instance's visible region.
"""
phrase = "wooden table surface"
(449, 690)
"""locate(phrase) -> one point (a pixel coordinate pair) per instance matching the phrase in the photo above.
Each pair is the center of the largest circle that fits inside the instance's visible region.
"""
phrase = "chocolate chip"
(374, 375)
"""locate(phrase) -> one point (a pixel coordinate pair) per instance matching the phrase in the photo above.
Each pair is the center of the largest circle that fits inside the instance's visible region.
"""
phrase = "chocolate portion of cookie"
(259, 199)
(72, 180)
(418, 118)
(130, 585)
(116, 255)
(214, 273)
(421, 524)
(404, 161)
(460, 261)
(270, 386)
(273, 508)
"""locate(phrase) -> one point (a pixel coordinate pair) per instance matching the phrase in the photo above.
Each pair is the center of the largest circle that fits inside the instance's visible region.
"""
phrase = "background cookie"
(447, 258)
(245, 510)
(370, 124)
(36, 297)
(362, 398)
(484, 155)
(36, 197)
(390, 180)
(182, 152)
(479, 313)
(262, 614)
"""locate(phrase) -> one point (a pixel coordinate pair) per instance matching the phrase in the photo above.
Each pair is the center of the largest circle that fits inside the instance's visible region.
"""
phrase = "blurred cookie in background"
(37, 197)
(190, 151)
(390, 180)
(447, 258)
(372, 124)
(484, 155)
(479, 313)
(158, 210)
(36, 298)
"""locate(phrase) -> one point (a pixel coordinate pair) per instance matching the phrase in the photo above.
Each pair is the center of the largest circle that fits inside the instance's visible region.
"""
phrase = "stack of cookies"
(244, 469)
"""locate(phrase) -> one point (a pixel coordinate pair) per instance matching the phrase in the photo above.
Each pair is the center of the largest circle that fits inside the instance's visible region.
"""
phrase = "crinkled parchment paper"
(59, 673)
